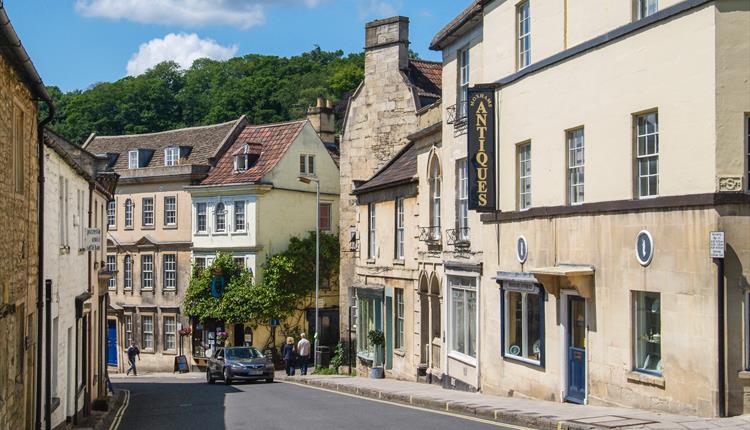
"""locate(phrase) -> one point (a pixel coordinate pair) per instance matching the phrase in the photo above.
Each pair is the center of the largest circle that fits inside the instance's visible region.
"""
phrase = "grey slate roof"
(400, 170)
(466, 20)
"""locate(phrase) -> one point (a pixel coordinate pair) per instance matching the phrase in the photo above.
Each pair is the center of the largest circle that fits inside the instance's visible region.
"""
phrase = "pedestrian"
(303, 349)
(287, 353)
(133, 351)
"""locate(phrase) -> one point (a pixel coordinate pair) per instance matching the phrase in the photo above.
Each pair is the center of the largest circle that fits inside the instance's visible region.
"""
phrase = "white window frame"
(241, 162)
(170, 332)
(464, 76)
(576, 147)
(147, 332)
(133, 159)
(462, 199)
(399, 339)
(523, 34)
(170, 211)
(129, 207)
(645, 8)
(147, 211)
(201, 265)
(112, 267)
(465, 289)
(128, 329)
(169, 261)
(201, 211)
(400, 229)
(112, 214)
(171, 156)
(371, 232)
(524, 176)
(643, 158)
(240, 220)
(538, 295)
(220, 218)
(127, 275)
(436, 183)
(147, 272)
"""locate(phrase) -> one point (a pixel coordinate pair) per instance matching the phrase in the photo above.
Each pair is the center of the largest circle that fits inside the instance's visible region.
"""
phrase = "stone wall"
(18, 250)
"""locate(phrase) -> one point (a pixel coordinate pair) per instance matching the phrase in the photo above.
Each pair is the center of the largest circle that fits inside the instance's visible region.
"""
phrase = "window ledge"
(645, 378)
(398, 262)
(170, 227)
(465, 359)
(148, 227)
(169, 290)
(370, 261)
(522, 360)
(744, 374)
(399, 352)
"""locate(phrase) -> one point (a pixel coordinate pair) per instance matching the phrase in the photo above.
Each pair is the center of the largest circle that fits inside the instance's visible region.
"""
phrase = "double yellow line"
(116, 422)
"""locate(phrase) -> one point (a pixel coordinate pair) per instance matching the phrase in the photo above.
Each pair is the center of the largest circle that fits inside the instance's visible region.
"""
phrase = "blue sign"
(644, 248)
(522, 250)
(275, 323)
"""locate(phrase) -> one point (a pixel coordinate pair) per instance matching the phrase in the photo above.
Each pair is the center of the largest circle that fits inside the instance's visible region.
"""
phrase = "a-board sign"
(181, 364)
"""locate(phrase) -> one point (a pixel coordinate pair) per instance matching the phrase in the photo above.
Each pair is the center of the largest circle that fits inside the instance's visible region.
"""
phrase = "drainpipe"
(47, 354)
(722, 367)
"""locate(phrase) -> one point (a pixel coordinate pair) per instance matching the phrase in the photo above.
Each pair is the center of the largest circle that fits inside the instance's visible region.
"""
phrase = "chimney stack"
(323, 120)
(387, 40)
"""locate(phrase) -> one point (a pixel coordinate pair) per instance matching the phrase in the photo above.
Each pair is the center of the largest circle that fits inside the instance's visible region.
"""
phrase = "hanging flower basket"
(187, 331)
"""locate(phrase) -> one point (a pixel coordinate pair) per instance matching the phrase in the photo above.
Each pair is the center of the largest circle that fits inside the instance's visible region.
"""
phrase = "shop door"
(576, 391)
(112, 342)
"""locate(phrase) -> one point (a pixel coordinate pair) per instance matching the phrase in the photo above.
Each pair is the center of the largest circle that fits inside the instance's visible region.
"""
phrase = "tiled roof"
(402, 168)
(272, 139)
(427, 76)
(203, 142)
(468, 15)
(333, 149)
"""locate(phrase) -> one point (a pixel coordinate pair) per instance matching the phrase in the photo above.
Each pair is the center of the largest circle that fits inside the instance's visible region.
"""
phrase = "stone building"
(20, 89)
(381, 113)
(150, 235)
(599, 288)
(242, 208)
(77, 189)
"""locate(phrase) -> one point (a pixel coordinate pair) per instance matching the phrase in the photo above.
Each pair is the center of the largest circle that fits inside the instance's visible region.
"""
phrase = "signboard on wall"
(481, 149)
(93, 239)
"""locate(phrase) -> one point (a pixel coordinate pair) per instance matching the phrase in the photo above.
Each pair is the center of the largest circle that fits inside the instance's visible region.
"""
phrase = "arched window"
(221, 218)
(128, 213)
(435, 182)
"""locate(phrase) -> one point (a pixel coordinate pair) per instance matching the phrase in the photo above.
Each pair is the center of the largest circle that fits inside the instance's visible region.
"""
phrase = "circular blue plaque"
(522, 249)
(644, 248)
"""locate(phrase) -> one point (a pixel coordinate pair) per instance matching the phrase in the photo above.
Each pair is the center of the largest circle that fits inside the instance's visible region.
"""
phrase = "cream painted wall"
(136, 192)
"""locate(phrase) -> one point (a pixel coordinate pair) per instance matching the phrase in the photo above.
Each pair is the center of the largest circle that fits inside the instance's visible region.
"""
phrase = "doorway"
(112, 342)
(576, 349)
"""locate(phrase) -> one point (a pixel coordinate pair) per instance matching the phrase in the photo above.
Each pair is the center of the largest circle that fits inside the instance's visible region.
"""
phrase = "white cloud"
(378, 9)
(180, 48)
(241, 14)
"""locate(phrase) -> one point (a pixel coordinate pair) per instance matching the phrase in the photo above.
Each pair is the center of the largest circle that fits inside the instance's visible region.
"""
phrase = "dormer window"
(171, 156)
(241, 162)
(246, 157)
(133, 159)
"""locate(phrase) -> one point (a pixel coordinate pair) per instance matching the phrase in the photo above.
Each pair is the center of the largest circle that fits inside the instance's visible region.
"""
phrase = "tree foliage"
(265, 88)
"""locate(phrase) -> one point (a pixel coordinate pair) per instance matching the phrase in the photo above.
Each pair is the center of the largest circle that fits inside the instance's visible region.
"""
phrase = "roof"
(87, 165)
(401, 169)
(274, 141)
(201, 144)
(333, 149)
(427, 76)
(466, 20)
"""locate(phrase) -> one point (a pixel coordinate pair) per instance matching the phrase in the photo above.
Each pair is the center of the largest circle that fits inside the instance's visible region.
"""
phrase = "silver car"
(239, 363)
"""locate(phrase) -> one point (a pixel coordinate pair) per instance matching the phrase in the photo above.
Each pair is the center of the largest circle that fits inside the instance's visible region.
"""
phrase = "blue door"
(112, 342)
(576, 350)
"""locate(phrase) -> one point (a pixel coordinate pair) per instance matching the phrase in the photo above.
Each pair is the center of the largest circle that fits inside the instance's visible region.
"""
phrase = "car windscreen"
(242, 353)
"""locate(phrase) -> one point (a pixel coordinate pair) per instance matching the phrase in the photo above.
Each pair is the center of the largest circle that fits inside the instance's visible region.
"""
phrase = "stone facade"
(18, 248)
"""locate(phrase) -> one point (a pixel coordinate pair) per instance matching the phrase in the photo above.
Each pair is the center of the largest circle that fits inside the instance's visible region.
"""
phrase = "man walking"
(133, 351)
(303, 349)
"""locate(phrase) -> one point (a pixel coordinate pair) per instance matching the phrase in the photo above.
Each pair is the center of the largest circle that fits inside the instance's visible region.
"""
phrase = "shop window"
(463, 315)
(523, 322)
(647, 331)
(370, 318)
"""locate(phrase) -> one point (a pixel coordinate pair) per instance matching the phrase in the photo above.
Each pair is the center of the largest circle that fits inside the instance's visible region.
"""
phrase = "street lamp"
(308, 180)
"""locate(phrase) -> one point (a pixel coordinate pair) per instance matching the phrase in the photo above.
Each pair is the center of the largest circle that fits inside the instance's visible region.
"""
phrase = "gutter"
(20, 61)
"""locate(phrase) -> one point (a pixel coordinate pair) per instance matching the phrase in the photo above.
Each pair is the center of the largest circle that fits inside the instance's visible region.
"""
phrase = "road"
(187, 404)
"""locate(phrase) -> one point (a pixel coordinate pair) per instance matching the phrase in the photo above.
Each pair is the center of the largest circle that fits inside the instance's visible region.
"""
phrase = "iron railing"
(430, 235)
(456, 115)
(459, 237)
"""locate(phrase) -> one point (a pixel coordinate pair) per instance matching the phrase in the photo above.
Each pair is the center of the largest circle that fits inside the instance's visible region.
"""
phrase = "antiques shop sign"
(481, 150)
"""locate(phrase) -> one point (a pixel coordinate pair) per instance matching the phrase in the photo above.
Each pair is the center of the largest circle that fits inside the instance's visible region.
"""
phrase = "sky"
(77, 43)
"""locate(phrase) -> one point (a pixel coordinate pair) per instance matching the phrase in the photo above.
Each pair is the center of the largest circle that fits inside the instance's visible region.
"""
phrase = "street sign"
(644, 248)
(93, 239)
(716, 244)
(274, 323)
(522, 249)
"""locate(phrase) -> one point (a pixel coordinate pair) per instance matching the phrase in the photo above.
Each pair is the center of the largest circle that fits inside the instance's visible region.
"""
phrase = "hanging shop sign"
(481, 149)
(644, 248)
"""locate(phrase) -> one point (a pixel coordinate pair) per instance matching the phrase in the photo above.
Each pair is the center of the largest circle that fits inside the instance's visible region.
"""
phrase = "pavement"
(187, 402)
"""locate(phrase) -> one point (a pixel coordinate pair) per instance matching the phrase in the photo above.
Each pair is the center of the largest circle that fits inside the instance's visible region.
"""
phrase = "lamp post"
(307, 180)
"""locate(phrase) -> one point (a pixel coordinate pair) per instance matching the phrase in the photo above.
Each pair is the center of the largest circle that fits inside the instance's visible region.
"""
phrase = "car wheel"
(210, 379)
(269, 380)
(227, 376)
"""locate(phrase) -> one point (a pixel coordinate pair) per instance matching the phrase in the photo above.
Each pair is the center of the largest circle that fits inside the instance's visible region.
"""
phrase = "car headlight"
(237, 366)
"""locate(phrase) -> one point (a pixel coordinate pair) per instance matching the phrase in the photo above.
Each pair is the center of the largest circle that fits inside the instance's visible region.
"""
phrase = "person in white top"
(303, 349)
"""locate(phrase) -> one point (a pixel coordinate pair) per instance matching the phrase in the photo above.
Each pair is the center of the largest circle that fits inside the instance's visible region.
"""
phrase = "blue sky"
(75, 43)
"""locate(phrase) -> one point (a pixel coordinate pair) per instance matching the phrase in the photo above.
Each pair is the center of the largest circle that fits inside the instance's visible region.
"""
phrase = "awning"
(373, 291)
(566, 276)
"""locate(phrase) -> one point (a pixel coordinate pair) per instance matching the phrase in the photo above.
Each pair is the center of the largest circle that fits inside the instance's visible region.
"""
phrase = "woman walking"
(287, 353)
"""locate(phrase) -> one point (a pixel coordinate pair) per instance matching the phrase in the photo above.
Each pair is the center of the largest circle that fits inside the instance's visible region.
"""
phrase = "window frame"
(169, 273)
(636, 367)
(435, 180)
(171, 156)
(367, 303)
(128, 218)
(147, 272)
(111, 263)
(747, 330)
(145, 332)
(112, 214)
(134, 159)
(220, 215)
(642, 6)
(639, 158)
(529, 288)
(128, 328)
(464, 78)
(399, 321)
(242, 206)
(747, 152)
(127, 273)
(400, 236)
(148, 212)
(466, 290)
(371, 231)
(521, 179)
(574, 169)
(462, 199)
(167, 211)
(523, 39)
(167, 333)
(307, 164)
(329, 210)
(18, 150)
(201, 214)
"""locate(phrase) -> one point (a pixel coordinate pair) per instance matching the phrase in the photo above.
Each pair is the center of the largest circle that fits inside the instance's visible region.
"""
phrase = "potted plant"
(377, 340)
